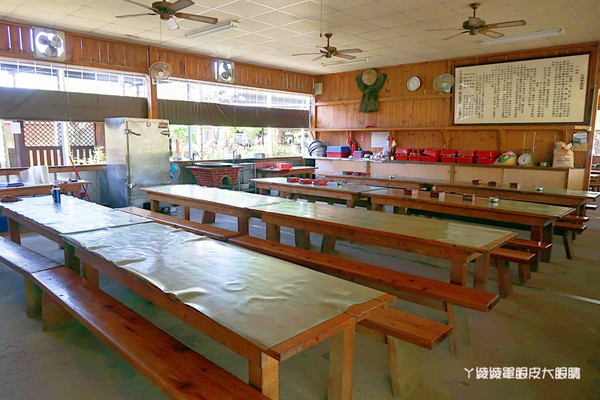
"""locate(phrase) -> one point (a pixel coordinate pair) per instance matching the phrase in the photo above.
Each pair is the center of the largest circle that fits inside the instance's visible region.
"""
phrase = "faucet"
(194, 154)
(233, 157)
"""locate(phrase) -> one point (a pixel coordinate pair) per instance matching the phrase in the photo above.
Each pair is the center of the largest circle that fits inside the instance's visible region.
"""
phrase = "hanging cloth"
(370, 83)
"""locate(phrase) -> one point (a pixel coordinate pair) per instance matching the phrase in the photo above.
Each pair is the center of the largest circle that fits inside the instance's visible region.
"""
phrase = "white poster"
(550, 90)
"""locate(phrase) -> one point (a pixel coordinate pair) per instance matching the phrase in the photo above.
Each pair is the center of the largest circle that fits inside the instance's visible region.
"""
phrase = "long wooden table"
(43, 188)
(211, 200)
(539, 218)
(154, 259)
(297, 170)
(562, 197)
(458, 243)
(348, 193)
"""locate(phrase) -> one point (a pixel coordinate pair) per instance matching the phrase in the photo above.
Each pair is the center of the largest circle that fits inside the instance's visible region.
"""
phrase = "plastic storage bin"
(466, 157)
(431, 155)
(448, 156)
(361, 153)
(338, 151)
(486, 157)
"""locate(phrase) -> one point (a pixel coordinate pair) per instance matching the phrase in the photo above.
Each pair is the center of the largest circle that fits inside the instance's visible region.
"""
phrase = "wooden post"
(482, 272)
(154, 205)
(273, 234)
(328, 244)
(71, 260)
(186, 213)
(458, 273)
(208, 217)
(302, 238)
(265, 377)
(14, 230)
(33, 297)
(53, 314)
(341, 362)
(90, 274)
(405, 369)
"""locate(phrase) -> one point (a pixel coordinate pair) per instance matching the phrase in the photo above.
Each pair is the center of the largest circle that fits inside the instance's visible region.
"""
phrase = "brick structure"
(221, 177)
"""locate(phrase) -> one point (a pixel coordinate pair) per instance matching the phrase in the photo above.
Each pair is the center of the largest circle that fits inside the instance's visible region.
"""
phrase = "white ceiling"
(390, 32)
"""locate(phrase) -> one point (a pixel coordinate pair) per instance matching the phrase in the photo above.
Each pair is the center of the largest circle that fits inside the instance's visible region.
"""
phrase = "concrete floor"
(552, 321)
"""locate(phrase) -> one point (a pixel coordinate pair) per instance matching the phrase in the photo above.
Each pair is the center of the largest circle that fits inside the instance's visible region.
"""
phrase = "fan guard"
(160, 70)
(443, 83)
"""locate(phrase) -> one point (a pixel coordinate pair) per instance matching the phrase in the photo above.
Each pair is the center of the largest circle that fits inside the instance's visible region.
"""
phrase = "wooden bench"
(26, 262)
(428, 292)
(568, 230)
(502, 256)
(403, 332)
(529, 245)
(190, 226)
(174, 368)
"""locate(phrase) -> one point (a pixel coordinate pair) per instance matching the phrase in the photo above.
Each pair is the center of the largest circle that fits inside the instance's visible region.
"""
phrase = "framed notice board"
(549, 90)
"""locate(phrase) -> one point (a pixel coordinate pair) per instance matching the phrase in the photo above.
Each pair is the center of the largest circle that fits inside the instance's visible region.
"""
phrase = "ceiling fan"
(475, 25)
(331, 51)
(167, 11)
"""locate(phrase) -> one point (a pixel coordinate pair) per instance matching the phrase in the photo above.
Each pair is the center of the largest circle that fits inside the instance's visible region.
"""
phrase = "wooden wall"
(424, 118)
(97, 52)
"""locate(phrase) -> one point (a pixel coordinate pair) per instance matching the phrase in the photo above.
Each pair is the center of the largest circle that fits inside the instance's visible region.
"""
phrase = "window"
(45, 76)
(220, 142)
(30, 143)
(188, 90)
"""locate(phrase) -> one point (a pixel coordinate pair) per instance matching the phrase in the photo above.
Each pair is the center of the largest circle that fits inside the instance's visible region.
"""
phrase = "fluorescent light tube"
(209, 30)
(341, 62)
(524, 36)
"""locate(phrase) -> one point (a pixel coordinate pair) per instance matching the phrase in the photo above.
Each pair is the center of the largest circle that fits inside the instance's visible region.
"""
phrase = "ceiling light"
(355, 61)
(209, 30)
(524, 36)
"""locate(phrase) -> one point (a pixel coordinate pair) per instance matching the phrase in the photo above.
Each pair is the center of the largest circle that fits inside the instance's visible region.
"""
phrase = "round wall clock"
(413, 83)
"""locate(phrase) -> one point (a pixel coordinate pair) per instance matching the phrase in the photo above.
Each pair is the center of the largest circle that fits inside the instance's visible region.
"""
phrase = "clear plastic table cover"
(71, 214)
(264, 299)
(443, 232)
(216, 195)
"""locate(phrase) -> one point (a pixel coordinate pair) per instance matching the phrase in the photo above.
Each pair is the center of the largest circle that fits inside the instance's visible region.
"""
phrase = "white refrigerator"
(137, 156)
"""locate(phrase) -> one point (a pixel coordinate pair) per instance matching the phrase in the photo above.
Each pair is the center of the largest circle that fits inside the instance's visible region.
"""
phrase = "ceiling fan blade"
(443, 29)
(507, 24)
(318, 58)
(305, 54)
(347, 57)
(171, 24)
(139, 4)
(492, 34)
(450, 37)
(133, 15)
(180, 5)
(200, 18)
(347, 51)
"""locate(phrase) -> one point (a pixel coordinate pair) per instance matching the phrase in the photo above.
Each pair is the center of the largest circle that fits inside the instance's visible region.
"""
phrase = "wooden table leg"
(458, 273)
(405, 369)
(14, 230)
(71, 260)
(273, 234)
(90, 274)
(265, 377)
(244, 224)
(543, 234)
(186, 213)
(482, 272)
(341, 363)
(458, 320)
(154, 205)
(328, 244)
(33, 297)
(208, 217)
(302, 238)
(378, 207)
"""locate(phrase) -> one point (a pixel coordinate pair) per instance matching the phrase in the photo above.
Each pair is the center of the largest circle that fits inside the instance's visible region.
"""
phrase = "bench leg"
(568, 244)
(543, 234)
(53, 314)
(341, 362)
(504, 278)
(208, 217)
(186, 213)
(328, 244)
(244, 224)
(302, 238)
(265, 377)
(524, 273)
(460, 337)
(154, 205)
(33, 297)
(405, 369)
(90, 274)
(535, 263)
